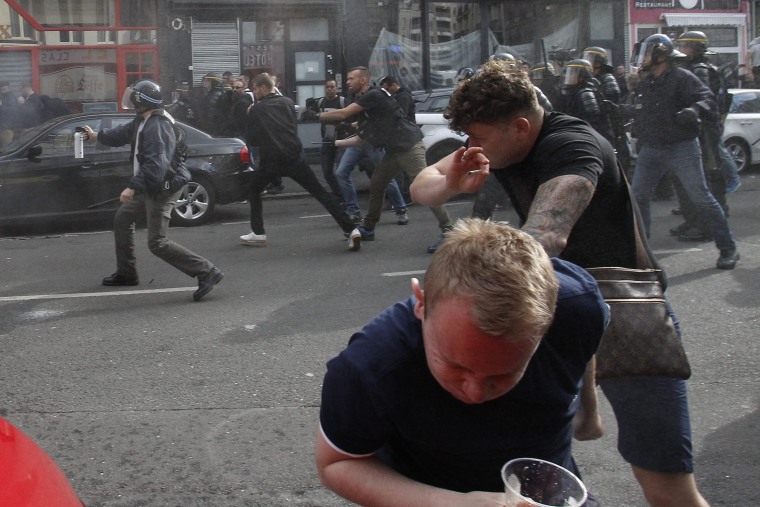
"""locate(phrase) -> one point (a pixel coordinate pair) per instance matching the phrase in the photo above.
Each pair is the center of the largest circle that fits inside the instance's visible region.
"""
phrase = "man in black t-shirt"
(383, 124)
(566, 186)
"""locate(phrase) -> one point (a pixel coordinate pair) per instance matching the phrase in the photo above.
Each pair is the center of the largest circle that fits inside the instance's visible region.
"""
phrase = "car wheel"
(195, 204)
(440, 150)
(740, 152)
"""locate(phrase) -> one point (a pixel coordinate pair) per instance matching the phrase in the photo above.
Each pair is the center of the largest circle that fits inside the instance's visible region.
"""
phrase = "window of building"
(72, 12)
(312, 29)
(137, 12)
(602, 23)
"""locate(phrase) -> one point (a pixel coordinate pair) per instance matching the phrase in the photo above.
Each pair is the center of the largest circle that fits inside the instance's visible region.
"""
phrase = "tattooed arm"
(557, 206)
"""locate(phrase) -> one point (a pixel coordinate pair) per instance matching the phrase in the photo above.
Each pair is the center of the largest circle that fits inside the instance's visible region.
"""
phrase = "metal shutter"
(16, 68)
(215, 47)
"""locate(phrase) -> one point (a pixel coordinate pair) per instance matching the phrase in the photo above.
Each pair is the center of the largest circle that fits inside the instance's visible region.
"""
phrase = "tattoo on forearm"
(557, 206)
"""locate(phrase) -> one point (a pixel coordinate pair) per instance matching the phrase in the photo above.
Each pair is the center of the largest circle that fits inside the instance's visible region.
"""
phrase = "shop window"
(644, 32)
(256, 31)
(309, 29)
(720, 36)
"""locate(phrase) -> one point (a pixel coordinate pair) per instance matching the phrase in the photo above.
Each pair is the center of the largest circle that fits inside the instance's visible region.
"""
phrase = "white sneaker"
(355, 240)
(254, 239)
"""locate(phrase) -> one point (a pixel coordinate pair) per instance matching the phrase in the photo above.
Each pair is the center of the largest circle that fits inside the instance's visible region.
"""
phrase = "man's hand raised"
(468, 170)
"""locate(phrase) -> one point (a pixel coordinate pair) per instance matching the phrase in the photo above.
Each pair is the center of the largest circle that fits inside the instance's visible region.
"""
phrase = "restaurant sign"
(687, 4)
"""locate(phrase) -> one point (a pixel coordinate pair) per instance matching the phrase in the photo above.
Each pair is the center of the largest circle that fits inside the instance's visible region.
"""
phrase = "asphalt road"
(146, 398)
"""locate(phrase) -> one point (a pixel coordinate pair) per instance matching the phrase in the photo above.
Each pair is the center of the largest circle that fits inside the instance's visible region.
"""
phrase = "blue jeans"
(728, 166)
(329, 154)
(348, 162)
(654, 428)
(684, 161)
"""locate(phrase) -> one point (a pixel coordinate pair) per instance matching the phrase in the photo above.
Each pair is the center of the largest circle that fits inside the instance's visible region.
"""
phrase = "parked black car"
(41, 180)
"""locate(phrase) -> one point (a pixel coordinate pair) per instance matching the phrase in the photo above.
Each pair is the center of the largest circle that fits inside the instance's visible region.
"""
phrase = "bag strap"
(644, 257)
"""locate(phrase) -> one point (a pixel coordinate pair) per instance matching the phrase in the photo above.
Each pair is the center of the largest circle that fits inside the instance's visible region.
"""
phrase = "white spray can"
(78, 145)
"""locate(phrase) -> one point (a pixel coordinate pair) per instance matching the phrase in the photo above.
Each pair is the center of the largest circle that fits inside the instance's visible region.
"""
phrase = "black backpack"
(390, 129)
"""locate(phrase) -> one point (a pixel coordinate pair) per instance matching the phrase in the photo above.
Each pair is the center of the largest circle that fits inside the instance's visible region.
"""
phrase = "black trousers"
(301, 173)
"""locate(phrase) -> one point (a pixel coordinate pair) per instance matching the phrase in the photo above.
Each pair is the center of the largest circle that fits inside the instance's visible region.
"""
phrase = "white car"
(741, 133)
(439, 139)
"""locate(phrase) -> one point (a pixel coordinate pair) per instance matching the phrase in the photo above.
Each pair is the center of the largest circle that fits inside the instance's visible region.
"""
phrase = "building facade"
(727, 23)
(87, 51)
(83, 52)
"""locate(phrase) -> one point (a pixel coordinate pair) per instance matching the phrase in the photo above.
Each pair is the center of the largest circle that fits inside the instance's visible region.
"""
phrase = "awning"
(713, 19)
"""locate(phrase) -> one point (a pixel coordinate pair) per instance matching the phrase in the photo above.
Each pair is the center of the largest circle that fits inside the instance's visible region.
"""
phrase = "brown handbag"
(641, 339)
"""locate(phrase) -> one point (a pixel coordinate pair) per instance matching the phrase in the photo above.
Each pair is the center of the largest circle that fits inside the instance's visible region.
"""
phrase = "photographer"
(330, 154)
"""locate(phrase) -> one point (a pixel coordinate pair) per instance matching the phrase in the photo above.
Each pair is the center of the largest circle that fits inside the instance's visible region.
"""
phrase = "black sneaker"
(118, 280)
(432, 248)
(728, 260)
(679, 229)
(207, 283)
(694, 234)
(274, 189)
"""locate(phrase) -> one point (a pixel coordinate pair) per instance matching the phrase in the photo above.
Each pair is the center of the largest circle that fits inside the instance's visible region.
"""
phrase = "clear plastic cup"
(530, 482)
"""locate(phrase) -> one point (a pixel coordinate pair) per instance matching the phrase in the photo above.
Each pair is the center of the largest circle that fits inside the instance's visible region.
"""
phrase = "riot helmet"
(656, 48)
(696, 41)
(540, 71)
(212, 80)
(503, 56)
(576, 72)
(596, 56)
(142, 96)
(464, 73)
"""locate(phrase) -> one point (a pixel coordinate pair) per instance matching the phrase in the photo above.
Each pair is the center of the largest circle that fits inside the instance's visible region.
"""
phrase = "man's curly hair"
(496, 93)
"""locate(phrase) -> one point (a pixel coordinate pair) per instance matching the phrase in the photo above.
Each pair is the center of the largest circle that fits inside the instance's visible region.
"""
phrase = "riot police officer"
(693, 45)
(579, 96)
(603, 72)
(543, 76)
(609, 89)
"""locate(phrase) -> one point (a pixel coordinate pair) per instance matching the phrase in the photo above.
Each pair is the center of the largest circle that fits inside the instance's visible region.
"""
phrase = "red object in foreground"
(28, 476)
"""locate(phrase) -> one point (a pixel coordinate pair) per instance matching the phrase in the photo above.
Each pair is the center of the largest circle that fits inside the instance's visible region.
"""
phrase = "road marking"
(677, 251)
(405, 273)
(95, 294)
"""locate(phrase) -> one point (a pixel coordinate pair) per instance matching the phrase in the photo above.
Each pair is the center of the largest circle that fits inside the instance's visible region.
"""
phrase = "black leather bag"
(641, 339)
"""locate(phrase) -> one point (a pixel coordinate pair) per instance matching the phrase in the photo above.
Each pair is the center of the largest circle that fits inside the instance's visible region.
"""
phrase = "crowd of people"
(493, 357)
(22, 111)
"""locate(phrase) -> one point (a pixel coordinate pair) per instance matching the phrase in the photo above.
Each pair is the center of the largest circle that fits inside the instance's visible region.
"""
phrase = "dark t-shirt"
(383, 113)
(379, 397)
(603, 236)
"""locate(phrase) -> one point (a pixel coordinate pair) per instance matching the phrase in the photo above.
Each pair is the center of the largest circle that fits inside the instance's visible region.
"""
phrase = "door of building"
(312, 66)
